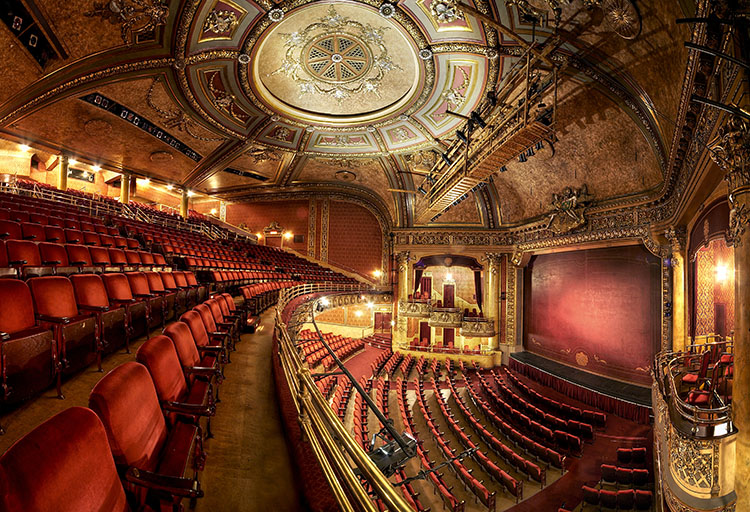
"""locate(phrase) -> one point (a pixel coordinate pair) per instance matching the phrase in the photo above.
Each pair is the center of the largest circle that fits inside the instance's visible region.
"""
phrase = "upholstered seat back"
(197, 328)
(138, 283)
(64, 465)
(126, 401)
(159, 356)
(89, 290)
(180, 334)
(16, 306)
(53, 296)
(208, 318)
(117, 286)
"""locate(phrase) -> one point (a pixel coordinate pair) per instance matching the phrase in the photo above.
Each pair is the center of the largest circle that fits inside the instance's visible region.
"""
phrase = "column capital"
(493, 258)
(731, 151)
(520, 258)
(677, 236)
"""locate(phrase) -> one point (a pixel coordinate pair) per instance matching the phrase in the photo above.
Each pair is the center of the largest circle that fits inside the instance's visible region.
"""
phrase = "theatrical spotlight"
(540, 145)
(462, 137)
(530, 152)
(503, 169)
(522, 158)
(478, 119)
(446, 158)
(390, 457)
(422, 190)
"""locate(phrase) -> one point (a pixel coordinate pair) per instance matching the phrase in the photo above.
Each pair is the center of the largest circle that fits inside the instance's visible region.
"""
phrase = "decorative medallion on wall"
(223, 100)
(582, 359)
(345, 175)
(135, 17)
(337, 56)
(161, 157)
(569, 209)
(222, 21)
(97, 128)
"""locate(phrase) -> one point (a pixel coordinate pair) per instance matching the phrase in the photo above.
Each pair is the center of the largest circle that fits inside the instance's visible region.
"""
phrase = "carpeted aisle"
(248, 467)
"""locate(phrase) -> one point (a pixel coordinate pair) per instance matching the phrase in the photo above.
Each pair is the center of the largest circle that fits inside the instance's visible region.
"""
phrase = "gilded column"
(731, 151)
(402, 261)
(677, 238)
(223, 211)
(184, 204)
(62, 178)
(492, 293)
(124, 188)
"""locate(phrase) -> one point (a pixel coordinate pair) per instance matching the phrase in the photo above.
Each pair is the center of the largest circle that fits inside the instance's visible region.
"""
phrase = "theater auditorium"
(374, 255)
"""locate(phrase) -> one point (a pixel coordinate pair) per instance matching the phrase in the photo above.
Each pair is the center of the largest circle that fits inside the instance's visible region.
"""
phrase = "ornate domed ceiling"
(251, 100)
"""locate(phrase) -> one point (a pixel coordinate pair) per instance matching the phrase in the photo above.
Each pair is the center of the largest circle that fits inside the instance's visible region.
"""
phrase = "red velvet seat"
(76, 334)
(212, 327)
(224, 320)
(192, 281)
(73, 236)
(201, 336)
(230, 310)
(136, 309)
(79, 257)
(190, 354)
(590, 495)
(170, 285)
(90, 238)
(10, 230)
(156, 286)
(126, 402)
(65, 464)
(191, 292)
(54, 234)
(156, 304)
(24, 255)
(100, 257)
(91, 295)
(133, 259)
(28, 354)
(192, 400)
(609, 473)
(643, 499)
(608, 498)
(625, 499)
(33, 231)
(55, 256)
(117, 258)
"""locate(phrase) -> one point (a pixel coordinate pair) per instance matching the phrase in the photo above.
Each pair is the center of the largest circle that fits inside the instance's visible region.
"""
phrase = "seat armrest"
(51, 262)
(211, 348)
(175, 485)
(78, 263)
(98, 309)
(206, 371)
(145, 295)
(228, 325)
(30, 237)
(219, 334)
(4, 336)
(53, 239)
(54, 319)
(190, 409)
(101, 263)
(17, 262)
(121, 302)
(236, 317)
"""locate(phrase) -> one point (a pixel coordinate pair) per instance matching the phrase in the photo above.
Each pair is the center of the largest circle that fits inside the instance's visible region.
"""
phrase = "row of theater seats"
(141, 440)
(54, 326)
(23, 258)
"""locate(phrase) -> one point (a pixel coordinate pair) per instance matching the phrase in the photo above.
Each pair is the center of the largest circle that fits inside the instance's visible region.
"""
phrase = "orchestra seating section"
(515, 442)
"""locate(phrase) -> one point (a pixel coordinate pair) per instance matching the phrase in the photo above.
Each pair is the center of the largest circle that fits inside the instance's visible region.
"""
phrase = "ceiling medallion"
(343, 175)
(243, 58)
(97, 128)
(276, 15)
(445, 11)
(387, 10)
(425, 54)
(133, 16)
(161, 156)
(336, 56)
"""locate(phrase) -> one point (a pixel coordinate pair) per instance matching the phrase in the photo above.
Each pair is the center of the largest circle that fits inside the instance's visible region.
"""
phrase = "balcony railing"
(349, 471)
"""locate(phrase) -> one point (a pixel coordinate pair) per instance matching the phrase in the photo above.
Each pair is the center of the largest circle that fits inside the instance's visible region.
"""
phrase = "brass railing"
(348, 469)
(668, 366)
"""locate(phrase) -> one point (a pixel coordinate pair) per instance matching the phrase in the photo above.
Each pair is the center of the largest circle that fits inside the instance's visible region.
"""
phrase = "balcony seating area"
(705, 374)
(449, 348)
(314, 353)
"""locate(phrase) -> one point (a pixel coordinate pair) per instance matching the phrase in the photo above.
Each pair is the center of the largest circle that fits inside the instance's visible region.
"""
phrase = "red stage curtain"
(622, 408)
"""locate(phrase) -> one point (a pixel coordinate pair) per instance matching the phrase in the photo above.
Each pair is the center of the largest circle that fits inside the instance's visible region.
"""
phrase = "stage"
(627, 400)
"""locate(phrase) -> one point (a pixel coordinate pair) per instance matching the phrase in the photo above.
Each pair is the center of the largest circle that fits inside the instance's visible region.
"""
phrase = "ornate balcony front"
(477, 328)
(414, 309)
(446, 317)
(694, 435)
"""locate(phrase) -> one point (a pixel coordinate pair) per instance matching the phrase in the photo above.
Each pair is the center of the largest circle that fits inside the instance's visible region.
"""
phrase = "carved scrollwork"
(414, 309)
(738, 219)
(478, 328)
(446, 319)
(677, 236)
(569, 210)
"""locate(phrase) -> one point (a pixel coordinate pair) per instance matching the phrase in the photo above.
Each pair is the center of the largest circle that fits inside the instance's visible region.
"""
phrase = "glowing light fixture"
(449, 277)
(170, 186)
(722, 272)
(324, 301)
(288, 235)
(24, 147)
(213, 211)
(190, 193)
(358, 313)
(96, 168)
(73, 162)
(393, 323)
(370, 305)
(259, 235)
(377, 273)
